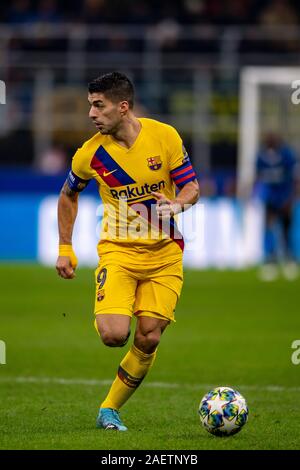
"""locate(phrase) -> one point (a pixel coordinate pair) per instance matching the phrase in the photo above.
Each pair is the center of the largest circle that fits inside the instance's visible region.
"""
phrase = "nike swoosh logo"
(109, 172)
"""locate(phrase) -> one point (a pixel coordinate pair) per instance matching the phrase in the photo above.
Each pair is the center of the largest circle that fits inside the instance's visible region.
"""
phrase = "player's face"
(106, 115)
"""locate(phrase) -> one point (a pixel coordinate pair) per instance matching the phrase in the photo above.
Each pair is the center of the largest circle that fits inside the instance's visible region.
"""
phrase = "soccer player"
(275, 167)
(137, 163)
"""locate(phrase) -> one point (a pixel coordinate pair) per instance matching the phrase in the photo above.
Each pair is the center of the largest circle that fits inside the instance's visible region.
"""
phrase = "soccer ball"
(223, 411)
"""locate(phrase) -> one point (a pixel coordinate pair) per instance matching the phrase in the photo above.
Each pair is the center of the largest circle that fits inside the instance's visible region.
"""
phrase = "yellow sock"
(131, 372)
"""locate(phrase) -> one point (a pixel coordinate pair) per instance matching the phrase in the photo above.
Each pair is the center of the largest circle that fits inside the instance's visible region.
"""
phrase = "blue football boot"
(109, 418)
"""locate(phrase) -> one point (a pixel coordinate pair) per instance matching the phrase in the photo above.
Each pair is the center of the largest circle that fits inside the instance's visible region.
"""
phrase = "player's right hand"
(64, 267)
(66, 262)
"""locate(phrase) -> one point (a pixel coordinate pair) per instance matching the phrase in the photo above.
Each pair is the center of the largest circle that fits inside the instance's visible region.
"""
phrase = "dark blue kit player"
(275, 170)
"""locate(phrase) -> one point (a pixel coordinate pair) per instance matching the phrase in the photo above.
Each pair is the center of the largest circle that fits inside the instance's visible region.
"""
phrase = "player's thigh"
(147, 325)
(114, 298)
(156, 299)
(148, 333)
(113, 326)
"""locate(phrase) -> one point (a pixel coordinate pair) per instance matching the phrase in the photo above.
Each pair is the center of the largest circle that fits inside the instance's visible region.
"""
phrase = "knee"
(114, 339)
(147, 342)
(114, 330)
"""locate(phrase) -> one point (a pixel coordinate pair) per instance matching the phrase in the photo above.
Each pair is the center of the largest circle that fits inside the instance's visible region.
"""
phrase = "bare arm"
(67, 212)
(188, 196)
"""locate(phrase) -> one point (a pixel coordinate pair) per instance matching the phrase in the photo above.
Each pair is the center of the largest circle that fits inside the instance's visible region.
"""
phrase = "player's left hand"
(166, 208)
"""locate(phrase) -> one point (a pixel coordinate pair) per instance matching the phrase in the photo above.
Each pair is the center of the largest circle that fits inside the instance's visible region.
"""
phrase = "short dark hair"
(115, 86)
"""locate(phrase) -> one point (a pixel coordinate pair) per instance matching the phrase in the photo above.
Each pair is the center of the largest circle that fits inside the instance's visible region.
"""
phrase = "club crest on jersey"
(154, 163)
(100, 294)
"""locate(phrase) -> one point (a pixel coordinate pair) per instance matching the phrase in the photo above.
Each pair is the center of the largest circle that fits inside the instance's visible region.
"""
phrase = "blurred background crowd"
(187, 59)
(266, 12)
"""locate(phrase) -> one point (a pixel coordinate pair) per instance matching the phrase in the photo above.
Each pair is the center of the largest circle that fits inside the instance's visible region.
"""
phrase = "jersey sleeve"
(181, 169)
(79, 176)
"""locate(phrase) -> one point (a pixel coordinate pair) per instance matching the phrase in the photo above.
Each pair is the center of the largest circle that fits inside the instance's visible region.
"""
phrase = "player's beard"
(104, 131)
(111, 130)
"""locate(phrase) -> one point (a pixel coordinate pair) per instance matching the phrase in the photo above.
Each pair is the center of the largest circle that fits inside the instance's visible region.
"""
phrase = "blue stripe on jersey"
(172, 230)
(181, 167)
(187, 180)
(186, 173)
(111, 165)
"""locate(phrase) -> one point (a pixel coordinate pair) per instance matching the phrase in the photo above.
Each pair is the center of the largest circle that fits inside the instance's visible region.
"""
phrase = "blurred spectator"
(280, 13)
(20, 12)
(229, 11)
(48, 12)
(52, 162)
(276, 163)
(237, 12)
(167, 34)
(105, 11)
(94, 11)
(195, 11)
(140, 13)
(277, 13)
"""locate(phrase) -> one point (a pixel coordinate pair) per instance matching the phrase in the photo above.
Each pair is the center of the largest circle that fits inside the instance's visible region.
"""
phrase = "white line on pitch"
(168, 385)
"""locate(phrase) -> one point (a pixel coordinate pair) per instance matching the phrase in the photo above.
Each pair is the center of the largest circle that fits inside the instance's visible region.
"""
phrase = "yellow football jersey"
(156, 162)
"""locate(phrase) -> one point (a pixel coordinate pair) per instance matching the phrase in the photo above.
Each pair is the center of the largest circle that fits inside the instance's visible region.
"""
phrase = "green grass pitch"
(231, 330)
